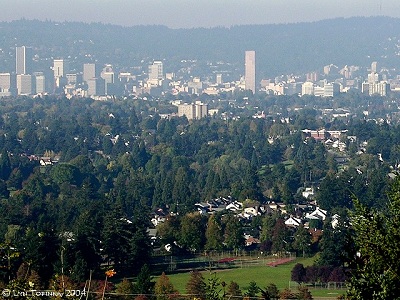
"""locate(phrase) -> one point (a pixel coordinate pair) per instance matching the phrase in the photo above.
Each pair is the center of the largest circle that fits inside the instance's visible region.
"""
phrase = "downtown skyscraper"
(23, 60)
(250, 71)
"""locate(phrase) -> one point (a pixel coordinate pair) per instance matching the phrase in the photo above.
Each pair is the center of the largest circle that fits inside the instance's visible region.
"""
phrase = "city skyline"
(190, 14)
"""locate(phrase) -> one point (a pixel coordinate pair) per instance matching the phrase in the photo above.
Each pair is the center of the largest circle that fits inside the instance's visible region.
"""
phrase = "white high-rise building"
(60, 68)
(201, 110)
(5, 84)
(156, 71)
(24, 84)
(40, 83)
(23, 60)
(192, 111)
(307, 88)
(5, 81)
(250, 71)
(109, 78)
(90, 71)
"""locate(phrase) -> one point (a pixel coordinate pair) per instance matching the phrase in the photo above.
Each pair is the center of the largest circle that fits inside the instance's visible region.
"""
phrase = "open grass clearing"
(262, 275)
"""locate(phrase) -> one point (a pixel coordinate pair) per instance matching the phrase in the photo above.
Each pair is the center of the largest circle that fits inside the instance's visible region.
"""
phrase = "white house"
(293, 222)
(317, 214)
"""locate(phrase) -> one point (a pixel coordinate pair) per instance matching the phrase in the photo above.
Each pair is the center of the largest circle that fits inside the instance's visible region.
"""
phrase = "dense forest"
(112, 163)
(281, 49)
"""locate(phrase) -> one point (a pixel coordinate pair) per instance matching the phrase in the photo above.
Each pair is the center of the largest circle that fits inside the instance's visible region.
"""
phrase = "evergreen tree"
(164, 289)
(213, 290)
(116, 237)
(334, 244)
(196, 286)
(233, 290)
(144, 282)
(252, 290)
(374, 261)
(5, 165)
(302, 240)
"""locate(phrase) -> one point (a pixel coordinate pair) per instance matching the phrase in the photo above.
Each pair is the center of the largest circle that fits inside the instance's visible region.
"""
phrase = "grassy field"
(262, 275)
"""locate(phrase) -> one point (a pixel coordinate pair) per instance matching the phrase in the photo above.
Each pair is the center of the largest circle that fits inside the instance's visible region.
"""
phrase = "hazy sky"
(188, 13)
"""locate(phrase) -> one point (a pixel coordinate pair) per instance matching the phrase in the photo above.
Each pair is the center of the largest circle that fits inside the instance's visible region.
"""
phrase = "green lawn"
(262, 275)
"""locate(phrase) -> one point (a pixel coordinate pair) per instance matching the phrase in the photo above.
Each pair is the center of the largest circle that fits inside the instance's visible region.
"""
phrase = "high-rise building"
(109, 78)
(156, 71)
(201, 110)
(60, 68)
(331, 89)
(307, 88)
(5, 81)
(381, 88)
(24, 84)
(96, 87)
(187, 110)
(39, 83)
(192, 111)
(90, 71)
(23, 60)
(250, 71)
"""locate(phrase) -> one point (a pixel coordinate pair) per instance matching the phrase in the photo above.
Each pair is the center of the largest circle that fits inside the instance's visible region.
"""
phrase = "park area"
(262, 270)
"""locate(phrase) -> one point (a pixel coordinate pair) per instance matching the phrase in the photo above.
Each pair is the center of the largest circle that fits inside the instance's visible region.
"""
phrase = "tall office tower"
(108, 80)
(60, 68)
(23, 60)
(156, 70)
(108, 77)
(39, 82)
(5, 82)
(201, 110)
(250, 71)
(188, 110)
(96, 87)
(24, 84)
(90, 71)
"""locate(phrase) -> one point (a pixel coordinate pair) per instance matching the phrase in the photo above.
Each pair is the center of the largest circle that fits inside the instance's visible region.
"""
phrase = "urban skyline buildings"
(250, 71)
(100, 80)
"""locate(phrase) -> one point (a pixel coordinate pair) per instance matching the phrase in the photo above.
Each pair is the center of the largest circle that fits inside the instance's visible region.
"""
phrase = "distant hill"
(281, 49)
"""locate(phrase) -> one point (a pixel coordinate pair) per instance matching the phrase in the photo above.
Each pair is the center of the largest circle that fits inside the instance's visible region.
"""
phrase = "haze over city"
(189, 14)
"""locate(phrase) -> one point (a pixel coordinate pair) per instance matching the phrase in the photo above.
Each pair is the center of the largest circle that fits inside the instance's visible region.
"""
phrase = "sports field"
(261, 274)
